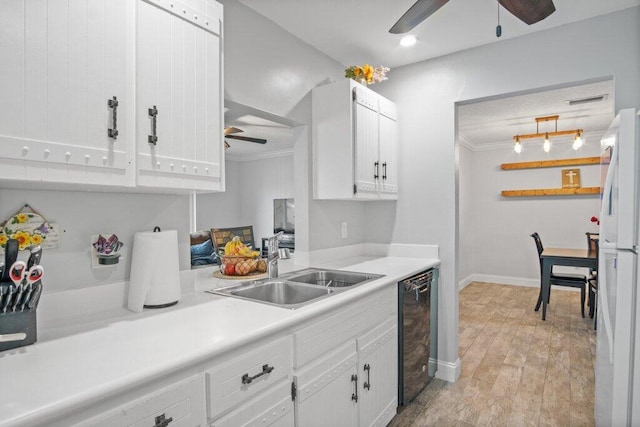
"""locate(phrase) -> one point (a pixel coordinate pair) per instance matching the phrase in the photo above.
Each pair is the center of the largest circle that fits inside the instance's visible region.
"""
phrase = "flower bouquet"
(366, 74)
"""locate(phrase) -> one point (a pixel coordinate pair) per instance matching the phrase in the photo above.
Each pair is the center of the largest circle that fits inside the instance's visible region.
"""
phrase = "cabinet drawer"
(372, 340)
(273, 407)
(235, 381)
(182, 402)
(343, 324)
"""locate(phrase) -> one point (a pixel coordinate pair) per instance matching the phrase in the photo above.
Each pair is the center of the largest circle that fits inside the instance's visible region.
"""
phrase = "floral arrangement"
(12, 230)
(366, 74)
(595, 219)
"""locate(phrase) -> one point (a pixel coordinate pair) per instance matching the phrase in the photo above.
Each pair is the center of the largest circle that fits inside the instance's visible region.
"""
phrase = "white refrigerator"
(618, 317)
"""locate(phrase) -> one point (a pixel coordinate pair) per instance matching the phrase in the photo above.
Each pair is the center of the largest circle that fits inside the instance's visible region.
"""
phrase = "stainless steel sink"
(276, 292)
(332, 278)
(297, 289)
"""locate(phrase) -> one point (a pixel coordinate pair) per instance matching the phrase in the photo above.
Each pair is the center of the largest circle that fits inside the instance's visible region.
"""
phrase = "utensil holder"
(17, 328)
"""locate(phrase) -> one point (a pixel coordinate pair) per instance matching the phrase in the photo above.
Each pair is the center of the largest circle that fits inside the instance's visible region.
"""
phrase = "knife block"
(15, 323)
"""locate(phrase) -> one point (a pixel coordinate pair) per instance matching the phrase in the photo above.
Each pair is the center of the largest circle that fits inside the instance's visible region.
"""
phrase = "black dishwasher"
(417, 333)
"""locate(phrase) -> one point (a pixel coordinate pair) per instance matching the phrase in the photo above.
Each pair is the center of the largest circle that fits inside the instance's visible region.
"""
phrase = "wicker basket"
(242, 265)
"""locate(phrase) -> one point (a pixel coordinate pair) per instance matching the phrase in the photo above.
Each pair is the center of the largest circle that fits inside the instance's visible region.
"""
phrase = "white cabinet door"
(388, 150)
(327, 391)
(179, 103)
(61, 63)
(378, 368)
(367, 171)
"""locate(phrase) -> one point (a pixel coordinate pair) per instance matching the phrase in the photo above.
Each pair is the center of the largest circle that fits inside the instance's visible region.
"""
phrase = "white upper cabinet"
(179, 95)
(63, 71)
(79, 77)
(355, 143)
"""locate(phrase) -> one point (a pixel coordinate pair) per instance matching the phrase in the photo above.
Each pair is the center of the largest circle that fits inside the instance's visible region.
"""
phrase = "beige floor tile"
(517, 370)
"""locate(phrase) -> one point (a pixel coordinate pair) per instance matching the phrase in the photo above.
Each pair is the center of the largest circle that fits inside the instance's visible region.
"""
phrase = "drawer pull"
(153, 113)
(354, 396)
(367, 383)
(266, 369)
(113, 131)
(162, 421)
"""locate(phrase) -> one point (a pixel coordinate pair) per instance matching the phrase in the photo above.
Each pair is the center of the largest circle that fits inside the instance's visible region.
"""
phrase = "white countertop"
(78, 361)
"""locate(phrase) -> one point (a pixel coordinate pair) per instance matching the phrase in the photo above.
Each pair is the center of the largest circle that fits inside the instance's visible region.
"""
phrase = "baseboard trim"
(449, 371)
(464, 282)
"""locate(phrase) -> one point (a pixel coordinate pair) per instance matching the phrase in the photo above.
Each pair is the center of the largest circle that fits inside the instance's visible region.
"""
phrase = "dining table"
(565, 257)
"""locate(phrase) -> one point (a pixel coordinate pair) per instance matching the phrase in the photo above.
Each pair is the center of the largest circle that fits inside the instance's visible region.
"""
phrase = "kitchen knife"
(7, 299)
(35, 296)
(27, 294)
(10, 256)
(34, 258)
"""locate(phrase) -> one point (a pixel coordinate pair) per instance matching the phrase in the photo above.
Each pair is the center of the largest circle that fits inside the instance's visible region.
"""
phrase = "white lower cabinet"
(327, 390)
(181, 404)
(356, 382)
(378, 374)
(251, 387)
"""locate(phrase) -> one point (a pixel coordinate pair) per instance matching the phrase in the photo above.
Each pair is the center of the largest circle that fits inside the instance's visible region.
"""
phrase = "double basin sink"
(298, 288)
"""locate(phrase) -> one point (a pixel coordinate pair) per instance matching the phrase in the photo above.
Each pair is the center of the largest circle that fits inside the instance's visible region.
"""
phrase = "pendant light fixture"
(546, 146)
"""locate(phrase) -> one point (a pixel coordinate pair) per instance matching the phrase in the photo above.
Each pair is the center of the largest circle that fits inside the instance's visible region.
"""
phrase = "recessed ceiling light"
(408, 40)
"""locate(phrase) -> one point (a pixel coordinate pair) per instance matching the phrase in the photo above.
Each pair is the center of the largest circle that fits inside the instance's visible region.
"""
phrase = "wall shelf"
(552, 192)
(551, 163)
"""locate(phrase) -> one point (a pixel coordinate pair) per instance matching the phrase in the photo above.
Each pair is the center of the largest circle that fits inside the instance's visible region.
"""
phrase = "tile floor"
(516, 369)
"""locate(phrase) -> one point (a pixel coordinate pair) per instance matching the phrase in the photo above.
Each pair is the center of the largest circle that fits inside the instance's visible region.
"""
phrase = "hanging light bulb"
(518, 147)
(547, 144)
(578, 142)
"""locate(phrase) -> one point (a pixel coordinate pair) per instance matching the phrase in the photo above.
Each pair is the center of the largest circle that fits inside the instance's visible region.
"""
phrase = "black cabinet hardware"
(113, 104)
(162, 421)
(376, 173)
(367, 383)
(354, 396)
(266, 369)
(384, 171)
(153, 113)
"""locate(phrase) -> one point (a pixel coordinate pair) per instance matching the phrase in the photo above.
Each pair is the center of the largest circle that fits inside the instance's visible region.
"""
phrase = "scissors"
(21, 277)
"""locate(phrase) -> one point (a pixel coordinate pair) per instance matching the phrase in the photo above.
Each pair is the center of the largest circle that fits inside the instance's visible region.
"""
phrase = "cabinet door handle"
(266, 369)
(354, 396)
(153, 113)
(162, 421)
(376, 172)
(113, 104)
(367, 383)
(384, 171)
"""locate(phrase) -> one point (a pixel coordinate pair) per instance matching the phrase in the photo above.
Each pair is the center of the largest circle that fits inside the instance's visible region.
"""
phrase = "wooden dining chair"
(565, 279)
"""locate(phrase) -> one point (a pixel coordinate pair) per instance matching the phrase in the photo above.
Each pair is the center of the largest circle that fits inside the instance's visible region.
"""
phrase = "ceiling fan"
(230, 131)
(528, 11)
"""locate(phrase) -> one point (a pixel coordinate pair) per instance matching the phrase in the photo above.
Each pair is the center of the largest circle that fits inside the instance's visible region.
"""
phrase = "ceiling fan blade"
(248, 139)
(529, 11)
(417, 13)
(226, 145)
(230, 130)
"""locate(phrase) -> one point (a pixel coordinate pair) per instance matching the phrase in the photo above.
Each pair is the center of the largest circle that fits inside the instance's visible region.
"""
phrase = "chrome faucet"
(273, 255)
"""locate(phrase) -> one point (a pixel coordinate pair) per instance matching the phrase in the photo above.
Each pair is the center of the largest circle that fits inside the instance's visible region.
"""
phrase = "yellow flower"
(22, 218)
(357, 71)
(368, 71)
(23, 238)
(3, 239)
(36, 239)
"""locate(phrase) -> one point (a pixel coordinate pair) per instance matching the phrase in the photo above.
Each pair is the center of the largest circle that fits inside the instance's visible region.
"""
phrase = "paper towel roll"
(155, 271)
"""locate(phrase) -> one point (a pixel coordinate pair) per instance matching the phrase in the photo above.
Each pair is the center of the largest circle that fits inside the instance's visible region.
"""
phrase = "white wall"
(262, 181)
(495, 231)
(83, 214)
(251, 187)
(269, 69)
(221, 210)
(467, 247)
(426, 94)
